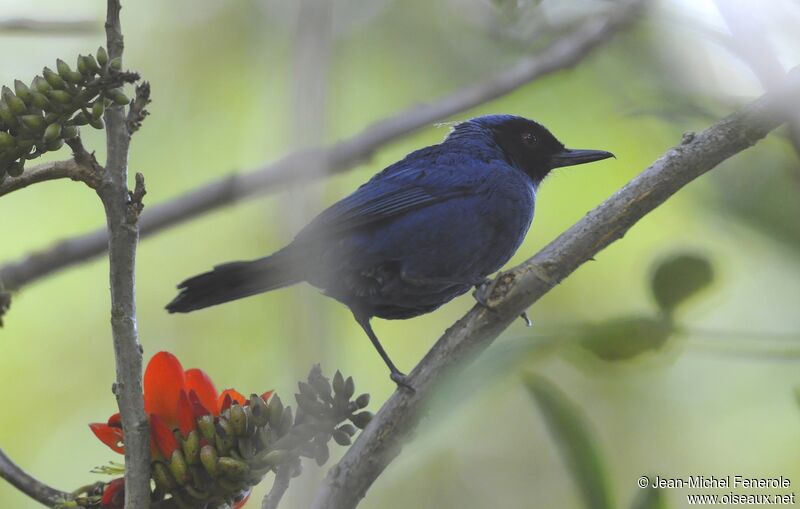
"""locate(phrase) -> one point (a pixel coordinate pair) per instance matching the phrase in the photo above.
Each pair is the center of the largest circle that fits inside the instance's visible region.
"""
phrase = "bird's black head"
(532, 148)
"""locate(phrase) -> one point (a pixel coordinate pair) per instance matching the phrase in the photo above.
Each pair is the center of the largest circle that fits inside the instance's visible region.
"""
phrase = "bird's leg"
(482, 292)
(395, 374)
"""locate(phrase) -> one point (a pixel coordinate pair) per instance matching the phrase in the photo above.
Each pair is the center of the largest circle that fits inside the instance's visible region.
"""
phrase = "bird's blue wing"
(415, 182)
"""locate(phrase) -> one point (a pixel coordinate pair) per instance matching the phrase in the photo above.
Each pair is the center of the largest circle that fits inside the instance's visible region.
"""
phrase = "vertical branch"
(122, 209)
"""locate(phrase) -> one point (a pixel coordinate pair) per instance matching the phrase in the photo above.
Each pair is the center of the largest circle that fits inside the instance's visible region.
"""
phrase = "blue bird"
(416, 235)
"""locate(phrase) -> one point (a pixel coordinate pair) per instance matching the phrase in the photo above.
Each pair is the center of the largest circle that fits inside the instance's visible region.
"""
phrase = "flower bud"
(238, 420)
(6, 116)
(6, 141)
(118, 97)
(341, 437)
(52, 132)
(102, 56)
(97, 109)
(97, 123)
(15, 104)
(115, 64)
(191, 447)
(275, 411)
(22, 90)
(259, 410)
(162, 477)
(79, 119)
(33, 122)
(206, 426)
(209, 459)
(40, 85)
(232, 468)
(70, 132)
(40, 101)
(178, 467)
(16, 168)
(53, 79)
(59, 96)
(361, 419)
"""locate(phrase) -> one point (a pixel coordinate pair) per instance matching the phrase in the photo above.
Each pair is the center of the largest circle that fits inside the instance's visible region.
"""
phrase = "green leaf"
(621, 339)
(678, 278)
(570, 429)
(649, 498)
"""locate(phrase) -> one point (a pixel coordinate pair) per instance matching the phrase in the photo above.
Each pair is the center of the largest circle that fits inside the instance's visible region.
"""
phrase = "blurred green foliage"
(222, 79)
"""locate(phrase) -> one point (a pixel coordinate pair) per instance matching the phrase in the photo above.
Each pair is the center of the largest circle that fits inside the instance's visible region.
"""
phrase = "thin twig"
(514, 291)
(50, 27)
(29, 485)
(122, 209)
(70, 169)
(279, 486)
(564, 53)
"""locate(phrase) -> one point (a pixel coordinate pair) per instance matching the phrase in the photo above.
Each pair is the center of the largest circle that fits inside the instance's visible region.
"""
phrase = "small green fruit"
(102, 55)
(52, 132)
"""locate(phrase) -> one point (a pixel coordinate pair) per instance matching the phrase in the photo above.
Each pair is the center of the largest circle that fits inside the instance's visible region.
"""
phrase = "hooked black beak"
(571, 157)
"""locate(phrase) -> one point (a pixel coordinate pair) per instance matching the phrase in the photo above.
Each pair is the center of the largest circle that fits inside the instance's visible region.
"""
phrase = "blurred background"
(237, 84)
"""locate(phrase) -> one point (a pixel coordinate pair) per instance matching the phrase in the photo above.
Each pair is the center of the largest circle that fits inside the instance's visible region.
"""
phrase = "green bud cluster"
(218, 462)
(40, 117)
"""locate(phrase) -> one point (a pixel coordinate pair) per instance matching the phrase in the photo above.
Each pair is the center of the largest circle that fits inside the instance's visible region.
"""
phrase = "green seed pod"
(163, 478)
(15, 104)
(206, 426)
(70, 132)
(74, 77)
(59, 96)
(232, 468)
(178, 467)
(22, 90)
(79, 119)
(209, 459)
(16, 168)
(40, 101)
(7, 141)
(62, 68)
(55, 144)
(35, 123)
(116, 64)
(91, 64)
(191, 447)
(81, 65)
(341, 437)
(119, 98)
(52, 132)
(259, 410)
(6, 116)
(40, 85)
(361, 419)
(102, 56)
(238, 420)
(362, 401)
(97, 123)
(53, 79)
(98, 109)
(275, 411)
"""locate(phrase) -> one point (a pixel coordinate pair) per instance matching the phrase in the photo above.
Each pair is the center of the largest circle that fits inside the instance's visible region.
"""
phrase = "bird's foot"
(482, 292)
(402, 381)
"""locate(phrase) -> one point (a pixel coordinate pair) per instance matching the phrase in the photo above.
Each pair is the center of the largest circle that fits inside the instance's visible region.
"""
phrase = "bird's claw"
(402, 381)
(524, 316)
(481, 293)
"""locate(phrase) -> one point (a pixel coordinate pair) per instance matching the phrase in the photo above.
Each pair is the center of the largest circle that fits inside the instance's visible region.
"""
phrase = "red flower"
(114, 495)
(173, 398)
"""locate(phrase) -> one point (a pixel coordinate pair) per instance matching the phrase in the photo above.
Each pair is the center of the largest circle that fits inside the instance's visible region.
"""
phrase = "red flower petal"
(266, 395)
(242, 502)
(198, 409)
(163, 382)
(198, 381)
(186, 422)
(163, 437)
(115, 420)
(114, 495)
(109, 435)
(226, 402)
(234, 395)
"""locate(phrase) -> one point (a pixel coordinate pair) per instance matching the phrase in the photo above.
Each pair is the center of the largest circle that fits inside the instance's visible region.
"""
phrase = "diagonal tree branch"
(122, 209)
(564, 53)
(51, 27)
(30, 486)
(514, 291)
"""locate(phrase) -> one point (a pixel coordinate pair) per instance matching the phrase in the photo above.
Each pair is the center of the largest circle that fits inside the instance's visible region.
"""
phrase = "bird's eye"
(528, 139)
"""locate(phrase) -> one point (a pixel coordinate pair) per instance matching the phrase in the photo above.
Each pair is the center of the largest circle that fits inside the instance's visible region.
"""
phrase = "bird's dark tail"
(236, 280)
